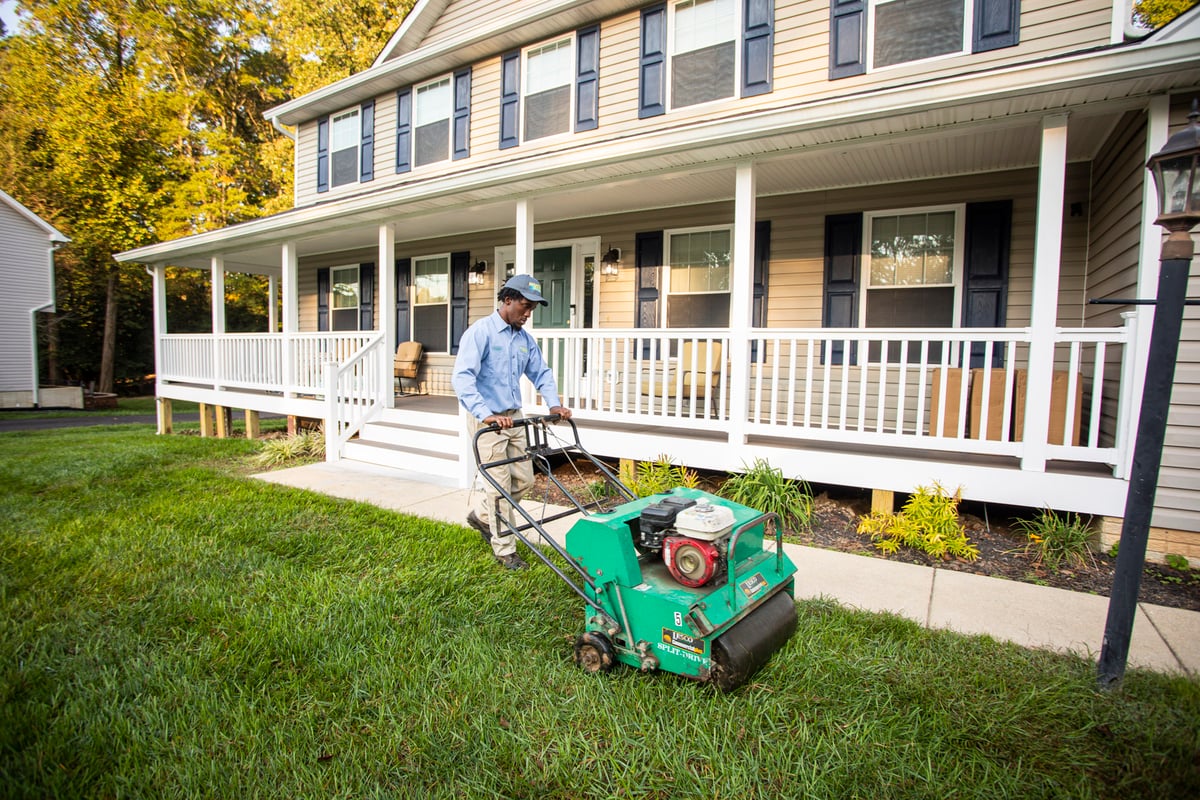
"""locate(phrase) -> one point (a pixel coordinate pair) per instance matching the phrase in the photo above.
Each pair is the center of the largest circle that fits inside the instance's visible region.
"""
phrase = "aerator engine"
(692, 536)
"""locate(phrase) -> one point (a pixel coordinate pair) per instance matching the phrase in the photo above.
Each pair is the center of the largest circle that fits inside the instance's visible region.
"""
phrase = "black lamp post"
(1176, 170)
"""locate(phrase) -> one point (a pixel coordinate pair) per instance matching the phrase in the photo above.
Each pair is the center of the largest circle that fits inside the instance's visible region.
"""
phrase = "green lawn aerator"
(678, 581)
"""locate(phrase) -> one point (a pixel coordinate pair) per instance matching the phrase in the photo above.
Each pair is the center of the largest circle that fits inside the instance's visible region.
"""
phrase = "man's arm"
(466, 373)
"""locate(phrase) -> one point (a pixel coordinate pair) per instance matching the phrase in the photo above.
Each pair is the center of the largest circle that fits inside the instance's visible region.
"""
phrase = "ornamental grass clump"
(659, 475)
(928, 522)
(302, 446)
(764, 488)
(1054, 541)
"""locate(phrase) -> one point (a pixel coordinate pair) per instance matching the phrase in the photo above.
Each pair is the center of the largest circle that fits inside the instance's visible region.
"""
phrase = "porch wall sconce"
(1176, 171)
(475, 274)
(610, 264)
(510, 270)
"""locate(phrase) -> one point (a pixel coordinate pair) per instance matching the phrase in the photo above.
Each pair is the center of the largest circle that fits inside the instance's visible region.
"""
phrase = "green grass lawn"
(173, 628)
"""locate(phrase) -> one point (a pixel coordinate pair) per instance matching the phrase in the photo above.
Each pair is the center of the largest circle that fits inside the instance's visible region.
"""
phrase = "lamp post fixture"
(1176, 171)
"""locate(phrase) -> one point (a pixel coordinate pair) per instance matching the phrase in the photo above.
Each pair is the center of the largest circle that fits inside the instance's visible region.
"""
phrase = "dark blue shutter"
(762, 263)
(460, 264)
(997, 24)
(366, 297)
(323, 154)
(403, 320)
(404, 130)
(652, 64)
(758, 46)
(985, 272)
(367, 153)
(648, 254)
(323, 299)
(462, 114)
(510, 100)
(587, 79)
(843, 265)
(847, 38)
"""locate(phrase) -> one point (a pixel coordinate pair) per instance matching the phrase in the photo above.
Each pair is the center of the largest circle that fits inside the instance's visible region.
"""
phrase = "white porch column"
(289, 287)
(386, 309)
(272, 301)
(1047, 257)
(217, 269)
(159, 275)
(1149, 249)
(524, 255)
(741, 300)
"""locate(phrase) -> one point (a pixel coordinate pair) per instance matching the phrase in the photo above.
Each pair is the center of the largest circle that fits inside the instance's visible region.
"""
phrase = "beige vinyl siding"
(1177, 502)
(462, 15)
(800, 74)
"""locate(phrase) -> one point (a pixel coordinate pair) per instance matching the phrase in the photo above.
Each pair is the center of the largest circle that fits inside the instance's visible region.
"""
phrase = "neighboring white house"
(27, 245)
(889, 214)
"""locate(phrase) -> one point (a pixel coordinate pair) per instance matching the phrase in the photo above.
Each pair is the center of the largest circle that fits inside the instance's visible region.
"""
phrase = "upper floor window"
(697, 285)
(547, 90)
(913, 30)
(346, 147)
(432, 110)
(550, 88)
(345, 139)
(703, 51)
(875, 34)
(699, 51)
(433, 121)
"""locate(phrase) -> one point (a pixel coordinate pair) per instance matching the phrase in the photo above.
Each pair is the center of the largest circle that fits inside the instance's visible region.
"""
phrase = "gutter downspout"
(279, 126)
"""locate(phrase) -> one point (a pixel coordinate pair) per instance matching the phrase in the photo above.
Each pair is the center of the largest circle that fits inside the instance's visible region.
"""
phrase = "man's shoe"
(475, 522)
(512, 561)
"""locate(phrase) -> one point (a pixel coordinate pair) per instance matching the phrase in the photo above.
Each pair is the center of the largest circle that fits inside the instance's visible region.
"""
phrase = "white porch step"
(443, 464)
(410, 436)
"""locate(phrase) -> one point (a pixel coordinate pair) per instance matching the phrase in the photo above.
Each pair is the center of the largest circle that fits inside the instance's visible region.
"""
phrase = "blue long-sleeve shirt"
(492, 357)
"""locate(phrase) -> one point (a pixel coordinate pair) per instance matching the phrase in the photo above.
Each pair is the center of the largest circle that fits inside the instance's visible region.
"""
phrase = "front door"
(552, 266)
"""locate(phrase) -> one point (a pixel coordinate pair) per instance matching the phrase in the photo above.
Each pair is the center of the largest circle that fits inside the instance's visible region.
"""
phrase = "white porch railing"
(355, 391)
(257, 361)
(960, 390)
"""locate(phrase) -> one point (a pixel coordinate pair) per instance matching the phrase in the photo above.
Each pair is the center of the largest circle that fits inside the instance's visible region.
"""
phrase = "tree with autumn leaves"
(125, 122)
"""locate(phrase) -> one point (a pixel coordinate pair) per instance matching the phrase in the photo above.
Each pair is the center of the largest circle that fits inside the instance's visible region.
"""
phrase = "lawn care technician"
(492, 356)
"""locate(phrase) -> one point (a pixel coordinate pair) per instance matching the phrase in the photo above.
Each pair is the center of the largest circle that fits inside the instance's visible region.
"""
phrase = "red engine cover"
(692, 562)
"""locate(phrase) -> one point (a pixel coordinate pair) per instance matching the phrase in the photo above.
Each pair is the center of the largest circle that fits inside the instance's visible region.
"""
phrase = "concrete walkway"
(1164, 639)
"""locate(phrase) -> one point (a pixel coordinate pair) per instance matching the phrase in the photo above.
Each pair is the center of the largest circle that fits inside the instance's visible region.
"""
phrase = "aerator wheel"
(594, 652)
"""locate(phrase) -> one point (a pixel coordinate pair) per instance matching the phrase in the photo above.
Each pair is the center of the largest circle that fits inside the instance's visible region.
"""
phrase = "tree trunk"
(108, 350)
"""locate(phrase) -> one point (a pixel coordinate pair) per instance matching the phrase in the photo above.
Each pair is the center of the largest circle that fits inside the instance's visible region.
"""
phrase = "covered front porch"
(1036, 413)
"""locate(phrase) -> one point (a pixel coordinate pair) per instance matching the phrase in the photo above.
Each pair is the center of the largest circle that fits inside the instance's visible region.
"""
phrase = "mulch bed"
(1002, 551)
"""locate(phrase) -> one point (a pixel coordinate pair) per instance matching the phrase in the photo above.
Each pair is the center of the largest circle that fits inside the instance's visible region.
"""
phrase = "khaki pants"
(516, 478)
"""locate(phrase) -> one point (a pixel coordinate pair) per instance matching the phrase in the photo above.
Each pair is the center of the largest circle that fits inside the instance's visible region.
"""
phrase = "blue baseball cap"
(529, 287)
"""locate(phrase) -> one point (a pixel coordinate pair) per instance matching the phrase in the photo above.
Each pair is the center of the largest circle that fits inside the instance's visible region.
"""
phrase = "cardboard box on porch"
(995, 402)
(1058, 407)
(953, 377)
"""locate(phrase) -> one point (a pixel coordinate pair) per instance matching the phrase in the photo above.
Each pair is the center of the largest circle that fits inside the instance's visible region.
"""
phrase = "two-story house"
(27, 245)
(857, 239)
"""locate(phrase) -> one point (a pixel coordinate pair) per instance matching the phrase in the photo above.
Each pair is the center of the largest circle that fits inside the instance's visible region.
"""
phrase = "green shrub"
(1176, 561)
(1055, 541)
(928, 522)
(303, 446)
(764, 488)
(660, 475)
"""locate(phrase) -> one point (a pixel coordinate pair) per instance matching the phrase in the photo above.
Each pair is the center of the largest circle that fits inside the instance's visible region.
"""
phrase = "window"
(431, 302)
(913, 271)
(914, 30)
(549, 73)
(344, 298)
(698, 278)
(432, 111)
(885, 33)
(345, 139)
(703, 51)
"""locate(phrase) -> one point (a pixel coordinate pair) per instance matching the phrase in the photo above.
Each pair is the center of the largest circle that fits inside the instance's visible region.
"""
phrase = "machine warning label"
(753, 584)
(682, 641)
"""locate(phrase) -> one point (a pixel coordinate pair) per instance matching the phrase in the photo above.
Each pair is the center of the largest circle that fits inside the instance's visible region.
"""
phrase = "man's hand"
(499, 420)
(561, 411)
